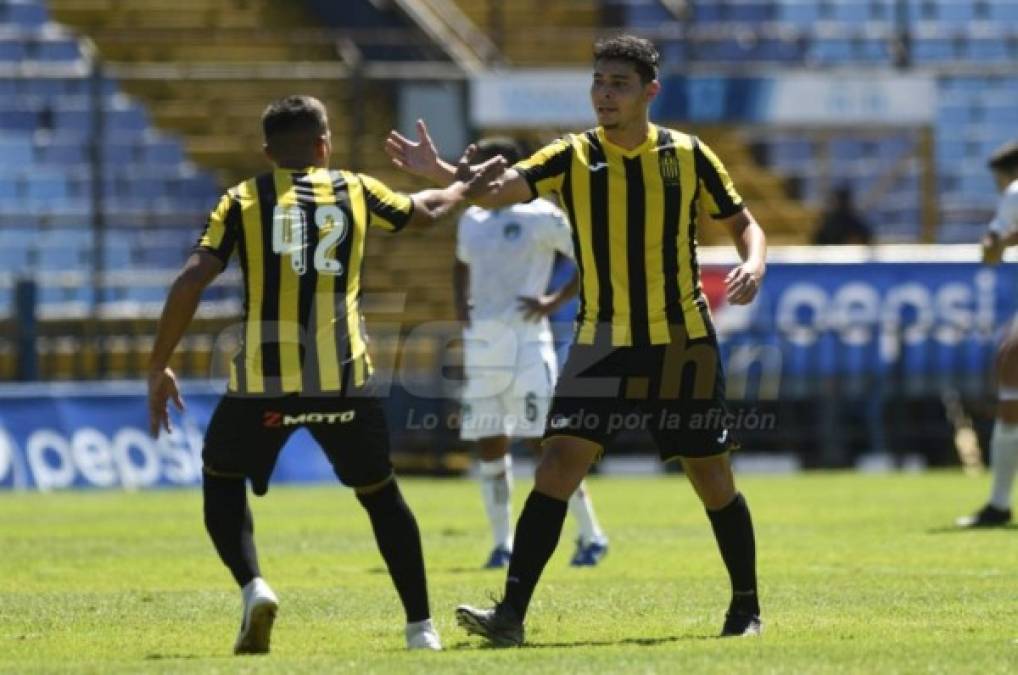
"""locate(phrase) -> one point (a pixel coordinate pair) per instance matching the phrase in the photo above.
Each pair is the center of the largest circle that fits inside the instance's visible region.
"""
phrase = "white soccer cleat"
(260, 605)
(422, 635)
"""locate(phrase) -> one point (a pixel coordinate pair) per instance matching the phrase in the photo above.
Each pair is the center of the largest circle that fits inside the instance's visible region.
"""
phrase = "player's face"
(618, 95)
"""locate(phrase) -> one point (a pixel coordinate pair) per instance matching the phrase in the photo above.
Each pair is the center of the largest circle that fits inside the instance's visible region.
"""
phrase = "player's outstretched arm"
(743, 282)
(430, 205)
(181, 304)
(420, 158)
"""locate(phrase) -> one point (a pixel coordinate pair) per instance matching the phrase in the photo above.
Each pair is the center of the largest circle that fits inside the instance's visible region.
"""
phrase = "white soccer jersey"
(1005, 221)
(510, 362)
(510, 252)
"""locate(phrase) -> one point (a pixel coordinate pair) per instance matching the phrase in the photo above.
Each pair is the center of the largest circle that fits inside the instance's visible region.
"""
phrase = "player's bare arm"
(431, 205)
(181, 304)
(743, 282)
(535, 309)
(420, 158)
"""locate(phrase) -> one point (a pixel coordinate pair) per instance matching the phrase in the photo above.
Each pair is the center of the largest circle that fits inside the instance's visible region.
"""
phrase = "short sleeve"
(462, 252)
(558, 235)
(717, 194)
(221, 229)
(545, 169)
(387, 209)
(1005, 220)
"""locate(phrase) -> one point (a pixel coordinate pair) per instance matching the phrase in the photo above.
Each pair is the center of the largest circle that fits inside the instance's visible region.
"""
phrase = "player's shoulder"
(1011, 191)
(668, 136)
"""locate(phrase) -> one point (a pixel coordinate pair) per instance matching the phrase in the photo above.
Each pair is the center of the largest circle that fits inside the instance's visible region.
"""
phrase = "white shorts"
(500, 399)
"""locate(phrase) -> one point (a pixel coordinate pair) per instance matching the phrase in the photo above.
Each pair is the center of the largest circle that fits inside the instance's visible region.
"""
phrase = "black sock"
(399, 542)
(733, 529)
(230, 525)
(537, 535)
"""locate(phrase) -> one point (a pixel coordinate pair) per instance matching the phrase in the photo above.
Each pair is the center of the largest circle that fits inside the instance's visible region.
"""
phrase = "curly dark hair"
(632, 49)
(492, 146)
(303, 115)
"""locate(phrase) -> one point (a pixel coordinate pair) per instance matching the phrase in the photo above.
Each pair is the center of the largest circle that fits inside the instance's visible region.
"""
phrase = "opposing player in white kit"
(1003, 232)
(504, 263)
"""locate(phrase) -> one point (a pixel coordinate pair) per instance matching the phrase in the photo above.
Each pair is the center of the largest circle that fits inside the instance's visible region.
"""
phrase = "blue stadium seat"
(60, 257)
(46, 186)
(57, 50)
(832, 50)
(1004, 10)
(850, 12)
(62, 153)
(16, 152)
(18, 120)
(12, 51)
(986, 49)
(953, 11)
(798, 12)
(927, 50)
(14, 258)
(162, 151)
(117, 253)
(24, 14)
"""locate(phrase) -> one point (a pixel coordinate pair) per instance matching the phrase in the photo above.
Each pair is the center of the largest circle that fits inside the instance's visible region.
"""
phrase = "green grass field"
(858, 574)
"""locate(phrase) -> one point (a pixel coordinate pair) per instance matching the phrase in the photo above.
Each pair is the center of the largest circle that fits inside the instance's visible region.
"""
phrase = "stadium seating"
(976, 112)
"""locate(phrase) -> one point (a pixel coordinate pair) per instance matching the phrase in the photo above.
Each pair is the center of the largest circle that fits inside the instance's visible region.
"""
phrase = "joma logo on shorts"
(278, 419)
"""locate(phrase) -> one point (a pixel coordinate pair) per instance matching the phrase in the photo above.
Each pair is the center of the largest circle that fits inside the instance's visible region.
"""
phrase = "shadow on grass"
(174, 657)
(954, 529)
(444, 570)
(639, 642)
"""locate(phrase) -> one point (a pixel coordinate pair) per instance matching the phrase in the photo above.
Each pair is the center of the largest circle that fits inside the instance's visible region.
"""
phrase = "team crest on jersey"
(511, 231)
(669, 166)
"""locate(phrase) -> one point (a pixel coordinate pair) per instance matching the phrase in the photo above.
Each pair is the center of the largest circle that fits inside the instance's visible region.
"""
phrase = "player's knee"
(560, 472)
(383, 496)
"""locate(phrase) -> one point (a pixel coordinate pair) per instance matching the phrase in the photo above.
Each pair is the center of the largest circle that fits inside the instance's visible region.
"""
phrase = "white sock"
(583, 511)
(1003, 462)
(496, 490)
(413, 627)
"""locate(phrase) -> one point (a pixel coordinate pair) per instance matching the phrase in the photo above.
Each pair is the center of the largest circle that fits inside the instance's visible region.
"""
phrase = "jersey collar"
(641, 148)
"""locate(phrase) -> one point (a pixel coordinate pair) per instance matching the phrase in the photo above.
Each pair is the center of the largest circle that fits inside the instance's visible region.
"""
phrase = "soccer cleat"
(499, 625)
(741, 624)
(499, 558)
(260, 606)
(988, 516)
(588, 555)
(422, 635)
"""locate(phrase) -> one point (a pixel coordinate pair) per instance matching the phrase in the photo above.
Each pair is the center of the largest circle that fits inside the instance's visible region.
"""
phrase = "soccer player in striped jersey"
(645, 344)
(1002, 233)
(298, 232)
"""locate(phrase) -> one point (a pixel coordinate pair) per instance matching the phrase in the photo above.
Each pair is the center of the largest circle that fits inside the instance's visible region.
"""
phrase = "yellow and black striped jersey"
(299, 237)
(633, 215)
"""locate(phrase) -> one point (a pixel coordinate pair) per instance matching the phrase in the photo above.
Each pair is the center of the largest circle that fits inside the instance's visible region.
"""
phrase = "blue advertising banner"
(69, 436)
(937, 319)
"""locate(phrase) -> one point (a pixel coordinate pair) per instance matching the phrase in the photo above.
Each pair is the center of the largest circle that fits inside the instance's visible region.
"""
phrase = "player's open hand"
(162, 387)
(742, 284)
(419, 158)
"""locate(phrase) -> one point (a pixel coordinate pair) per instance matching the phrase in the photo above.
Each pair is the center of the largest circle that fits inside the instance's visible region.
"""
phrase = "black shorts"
(676, 392)
(246, 434)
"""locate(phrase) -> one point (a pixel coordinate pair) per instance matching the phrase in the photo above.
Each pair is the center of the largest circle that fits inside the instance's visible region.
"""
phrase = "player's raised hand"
(418, 157)
(742, 284)
(162, 387)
